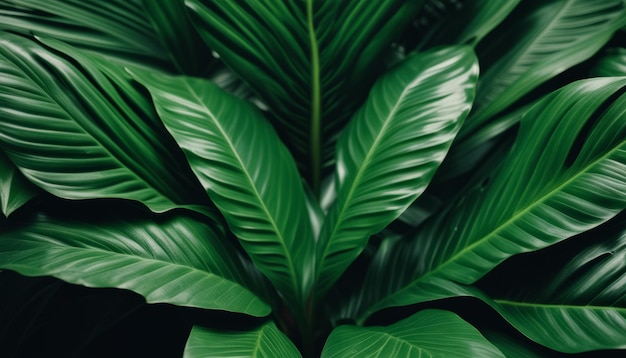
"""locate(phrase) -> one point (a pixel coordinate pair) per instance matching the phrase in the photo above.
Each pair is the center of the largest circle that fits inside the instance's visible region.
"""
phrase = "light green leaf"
(263, 201)
(613, 63)
(563, 176)
(288, 52)
(172, 259)
(117, 29)
(392, 148)
(15, 190)
(539, 40)
(429, 333)
(171, 22)
(264, 341)
(78, 129)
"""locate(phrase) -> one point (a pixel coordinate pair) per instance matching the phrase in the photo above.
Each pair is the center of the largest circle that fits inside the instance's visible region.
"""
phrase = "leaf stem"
(315, 146)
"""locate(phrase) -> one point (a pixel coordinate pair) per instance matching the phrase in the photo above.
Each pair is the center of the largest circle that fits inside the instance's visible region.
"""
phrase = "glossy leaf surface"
(175, 260)
(78, 129)
(310, 69)
(563, 176)
(15, 190)
(392, 148)
(264, 341)
(429, 333)
(263, 200)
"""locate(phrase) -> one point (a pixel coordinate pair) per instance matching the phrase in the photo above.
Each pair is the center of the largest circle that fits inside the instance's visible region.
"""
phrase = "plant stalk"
(315, 145)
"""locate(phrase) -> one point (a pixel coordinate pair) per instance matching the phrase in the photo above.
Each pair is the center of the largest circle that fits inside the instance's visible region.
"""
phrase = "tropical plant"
(300, 177)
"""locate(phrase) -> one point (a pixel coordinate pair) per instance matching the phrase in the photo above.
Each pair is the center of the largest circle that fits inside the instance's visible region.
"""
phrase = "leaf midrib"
(315, 140)
(256, 193)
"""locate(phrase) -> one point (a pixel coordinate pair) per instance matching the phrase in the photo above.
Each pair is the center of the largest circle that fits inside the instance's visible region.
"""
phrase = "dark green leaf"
(15, 190)
(263, 201)
(175, 260)
(511, 347)
(304, 62)
(264, 341)
(429, 333)
(563, 176)
(392, 148)
(78, 129)
(613, 63)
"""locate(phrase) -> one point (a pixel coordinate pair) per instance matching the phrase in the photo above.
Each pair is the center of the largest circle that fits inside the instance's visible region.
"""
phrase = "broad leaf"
(288, 52)
(77, 128)
(264, 341)
(175, 259)
(263, 201)
(118, 29)
(171, 22)
(429, 333)
(537, 42)
(571, 298)
(613, 63)
(392, 148)
(563, 176)
(15, 190)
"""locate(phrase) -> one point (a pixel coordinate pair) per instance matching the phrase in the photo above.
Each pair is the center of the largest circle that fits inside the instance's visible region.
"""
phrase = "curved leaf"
(539, 40)
(613, 63)
(301, 59)
(392, 148)
(175, 260)
(78, 129)
(264, 341)
(570, 299)
(263, 201)
(429, 333)
(176, 32)
(563, 176)
(15, 190)
(117, 29)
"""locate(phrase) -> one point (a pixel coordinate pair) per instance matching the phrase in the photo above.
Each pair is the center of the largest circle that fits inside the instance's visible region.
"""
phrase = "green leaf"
(264, 341)
(563, 176)
(429, 333)
(392, 148)
(76, 127)
(539, 40)
(263, 201)
(177, 34)
(571, 298)
(288, 52)
(511, 347)
(15, 190)
(172, 259)
(613, 63)
(117, 29)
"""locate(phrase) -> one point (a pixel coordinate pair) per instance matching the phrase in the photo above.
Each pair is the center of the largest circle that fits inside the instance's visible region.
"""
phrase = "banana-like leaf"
(15, 190)
(173, 25)
(539, 40)
(79, 129)
(117, 29)
(176, 259)
(264, 341)
(429, 333)
(304, 62)
(263, 201)
(570, 299)
(613, 63)
(564, 175)
(392, 148)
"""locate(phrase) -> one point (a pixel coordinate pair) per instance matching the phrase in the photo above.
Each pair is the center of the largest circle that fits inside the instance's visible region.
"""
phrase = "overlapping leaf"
(613, 63)
(15, 190)
(564, 175)
(264, 341)
(429, 333)
(176, 259)
(78, 129)
(392, 148)
(300, 57)
(246, 170)
(118, 29)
